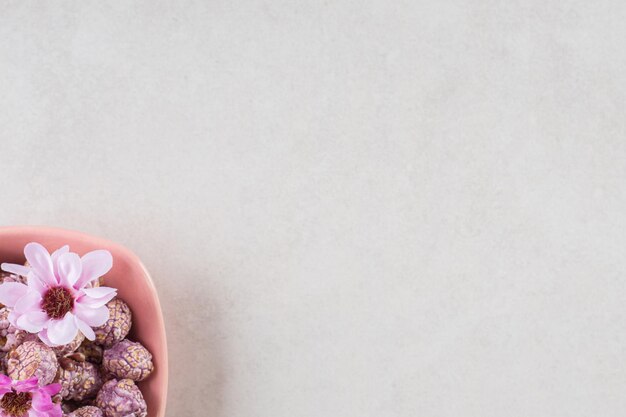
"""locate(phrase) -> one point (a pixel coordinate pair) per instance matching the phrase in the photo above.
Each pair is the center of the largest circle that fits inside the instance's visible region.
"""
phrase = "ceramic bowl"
(134, 286)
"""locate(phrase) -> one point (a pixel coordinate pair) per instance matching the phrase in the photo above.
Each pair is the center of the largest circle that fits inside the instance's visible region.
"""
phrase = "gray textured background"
(351, 208)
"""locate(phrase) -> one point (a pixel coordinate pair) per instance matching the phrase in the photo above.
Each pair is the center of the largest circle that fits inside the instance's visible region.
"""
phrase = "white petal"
(55, 258)
(16, 269)
(32, 322)
(69, 269)
(13, 316)
(85, 329)
(62, 332)
(35, 284)
(99, 292)
(30, 302)
(97, 297)
(95, 302)
(39, 260)
(55, 255)
(11, 292)
(94, 317)
(43, 336)
(95, 265)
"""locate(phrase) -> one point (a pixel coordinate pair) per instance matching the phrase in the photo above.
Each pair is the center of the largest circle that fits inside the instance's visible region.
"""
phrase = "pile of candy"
(63, 340)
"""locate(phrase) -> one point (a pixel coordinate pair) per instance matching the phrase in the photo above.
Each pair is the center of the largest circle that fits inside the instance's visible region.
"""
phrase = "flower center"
(16, 404)
(57, 301)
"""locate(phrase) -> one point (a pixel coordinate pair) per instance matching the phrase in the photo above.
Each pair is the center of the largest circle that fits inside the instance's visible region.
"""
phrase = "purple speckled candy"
(128, 360)
(88, 411)
(71, 347)
(32, 359)
(106, 375)
(7, 277)
(79, 380)
(121, 399)
(10, 336)
(117, 326)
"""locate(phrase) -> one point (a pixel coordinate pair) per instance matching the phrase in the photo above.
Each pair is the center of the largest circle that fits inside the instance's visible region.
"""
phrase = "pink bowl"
(134, 286)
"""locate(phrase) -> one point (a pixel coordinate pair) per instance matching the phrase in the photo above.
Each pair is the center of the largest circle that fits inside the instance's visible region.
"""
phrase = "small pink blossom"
(58, 300)
(27, 399)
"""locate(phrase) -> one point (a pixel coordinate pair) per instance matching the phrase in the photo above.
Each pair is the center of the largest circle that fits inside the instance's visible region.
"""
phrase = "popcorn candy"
(128, 360)
(96, 283)
(91, 352)
(67, 406)
(87, 411)
(97, 378)
(79, 380)
(8, 277)
(106, 375)
(32, 359)
(121, 399)
(117, 326)
(10, 336)
(71, 347)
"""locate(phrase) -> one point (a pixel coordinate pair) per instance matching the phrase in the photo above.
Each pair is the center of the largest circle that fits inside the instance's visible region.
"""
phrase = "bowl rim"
(99, 241)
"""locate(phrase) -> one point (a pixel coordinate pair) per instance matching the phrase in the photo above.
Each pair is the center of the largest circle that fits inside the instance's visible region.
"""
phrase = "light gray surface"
(351, 208)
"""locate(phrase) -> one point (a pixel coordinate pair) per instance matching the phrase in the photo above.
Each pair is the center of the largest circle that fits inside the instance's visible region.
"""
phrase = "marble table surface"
(351, 208)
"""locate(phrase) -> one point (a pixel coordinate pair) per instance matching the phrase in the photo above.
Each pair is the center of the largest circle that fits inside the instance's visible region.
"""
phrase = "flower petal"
(95, 302)
(62, 332)
(16, 269)
(32, 322)
(39, 260)
(96, 297)
(25, 386)
(42, 403)
(94, 317)
(34, 283)
(85, 329)
(51, 389)
(43, 336)
(10, 292)
(95, 264)
(69, 269)
(99, 292)
(30, 302)
(13, 318)
(55, 255)
(5, 384)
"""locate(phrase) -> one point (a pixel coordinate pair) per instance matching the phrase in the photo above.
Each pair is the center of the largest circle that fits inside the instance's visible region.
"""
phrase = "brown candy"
(91, 351)
(67, 407)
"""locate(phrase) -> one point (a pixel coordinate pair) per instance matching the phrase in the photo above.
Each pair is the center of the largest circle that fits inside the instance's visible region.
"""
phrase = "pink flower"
(27, 399)
(58, 300)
